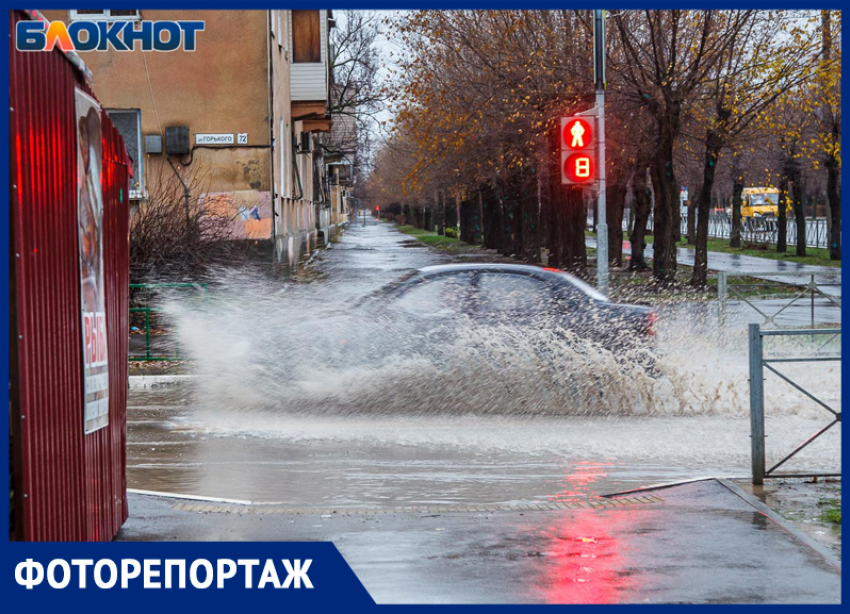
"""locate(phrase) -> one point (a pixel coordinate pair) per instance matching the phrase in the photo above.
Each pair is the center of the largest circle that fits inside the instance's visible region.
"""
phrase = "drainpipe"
(271, 128)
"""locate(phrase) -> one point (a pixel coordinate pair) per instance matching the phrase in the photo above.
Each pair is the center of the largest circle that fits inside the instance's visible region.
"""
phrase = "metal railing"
(149, 353)
(758, 363)
(754, 231)
(810, 288)
(763, 230)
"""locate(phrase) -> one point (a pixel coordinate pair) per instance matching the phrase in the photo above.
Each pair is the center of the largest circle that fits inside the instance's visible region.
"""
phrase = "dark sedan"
(518, 295)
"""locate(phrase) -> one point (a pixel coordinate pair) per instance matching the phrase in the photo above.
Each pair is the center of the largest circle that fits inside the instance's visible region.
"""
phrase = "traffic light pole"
(601, 223)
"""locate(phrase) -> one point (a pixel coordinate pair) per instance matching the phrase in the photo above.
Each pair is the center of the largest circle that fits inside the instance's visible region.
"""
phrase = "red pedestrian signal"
(577, 134)
(578, 150)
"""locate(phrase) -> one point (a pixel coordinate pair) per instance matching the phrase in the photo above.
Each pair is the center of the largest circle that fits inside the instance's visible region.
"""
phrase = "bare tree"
(666, 56)
(178, 234)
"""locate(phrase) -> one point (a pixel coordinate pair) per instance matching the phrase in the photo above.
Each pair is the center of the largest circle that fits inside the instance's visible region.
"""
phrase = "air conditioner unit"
(305, 142)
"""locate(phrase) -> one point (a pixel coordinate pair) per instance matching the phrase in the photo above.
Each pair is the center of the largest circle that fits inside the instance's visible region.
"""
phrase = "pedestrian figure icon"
(578, 135)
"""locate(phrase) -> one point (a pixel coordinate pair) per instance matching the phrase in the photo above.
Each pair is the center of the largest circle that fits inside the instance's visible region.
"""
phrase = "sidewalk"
(752, 266)
(659, 546)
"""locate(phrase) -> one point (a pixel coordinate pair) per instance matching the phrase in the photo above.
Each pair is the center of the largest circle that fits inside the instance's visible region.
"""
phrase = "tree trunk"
(666, 202)
(530, 211)
(833, 201)
(481, 226)
(692, 220)
(799, 212)
(615, 195)
(642, 206)
(782, 216)
(441, 213)
(573, 252)
(595, 213)
(677, 219)
(737, 201)
(713, 144)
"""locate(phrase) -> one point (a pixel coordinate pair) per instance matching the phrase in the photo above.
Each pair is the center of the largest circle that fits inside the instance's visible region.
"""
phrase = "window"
(128, 122)
(443, 296)
(306, 37)
(513, 293)
(111, 15)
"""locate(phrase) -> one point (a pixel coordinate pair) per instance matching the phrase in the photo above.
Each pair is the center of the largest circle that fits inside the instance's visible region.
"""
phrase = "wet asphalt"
(694, 543)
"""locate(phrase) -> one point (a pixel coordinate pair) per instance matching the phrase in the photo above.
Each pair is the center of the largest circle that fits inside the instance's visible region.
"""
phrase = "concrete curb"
(204, 504)
(663, 485)
(155, 381)
(825, 552)
(463, 508)
(172, 495)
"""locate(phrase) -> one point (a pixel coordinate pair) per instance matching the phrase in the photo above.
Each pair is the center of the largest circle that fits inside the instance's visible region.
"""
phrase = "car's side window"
(444, 295)
(513, 293)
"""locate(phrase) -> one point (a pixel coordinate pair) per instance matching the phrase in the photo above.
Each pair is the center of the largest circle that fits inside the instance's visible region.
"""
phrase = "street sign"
(215, 139)
(578, 150)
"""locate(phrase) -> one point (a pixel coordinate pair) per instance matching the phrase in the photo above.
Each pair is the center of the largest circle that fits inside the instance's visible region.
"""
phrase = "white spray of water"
(277, 352)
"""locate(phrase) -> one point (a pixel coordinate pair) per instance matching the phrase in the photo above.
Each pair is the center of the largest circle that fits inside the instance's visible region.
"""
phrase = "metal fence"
(809, 288)
(758, 364)
(761, 230)
(167, 349)
(66, 485)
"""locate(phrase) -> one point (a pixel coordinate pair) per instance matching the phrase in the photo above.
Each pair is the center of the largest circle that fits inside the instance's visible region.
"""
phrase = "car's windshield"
(765, 199)
(586, 288)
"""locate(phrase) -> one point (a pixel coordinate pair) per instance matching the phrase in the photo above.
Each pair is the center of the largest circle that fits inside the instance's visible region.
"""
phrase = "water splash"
(259, 347)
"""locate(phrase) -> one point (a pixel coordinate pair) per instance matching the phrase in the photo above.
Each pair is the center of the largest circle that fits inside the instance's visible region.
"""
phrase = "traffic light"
(578, 150)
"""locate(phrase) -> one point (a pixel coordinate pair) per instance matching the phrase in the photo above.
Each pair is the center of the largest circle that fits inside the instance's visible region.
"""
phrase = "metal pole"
(812, 286)
(599, 77)
(147, 333)
(757, 404)
(722, 294)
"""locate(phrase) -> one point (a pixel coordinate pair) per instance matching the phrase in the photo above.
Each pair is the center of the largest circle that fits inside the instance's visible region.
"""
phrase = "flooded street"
(329, 409)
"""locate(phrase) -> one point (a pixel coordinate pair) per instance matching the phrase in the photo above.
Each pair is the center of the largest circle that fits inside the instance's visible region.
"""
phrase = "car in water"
(517, 295)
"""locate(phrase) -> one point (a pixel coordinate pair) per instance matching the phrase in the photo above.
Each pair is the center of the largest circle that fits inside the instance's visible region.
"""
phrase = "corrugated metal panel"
(68, 486)
(309, 82)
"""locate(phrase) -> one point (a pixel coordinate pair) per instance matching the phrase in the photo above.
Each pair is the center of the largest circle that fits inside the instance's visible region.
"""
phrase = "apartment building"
(340, 147)
(235, 122)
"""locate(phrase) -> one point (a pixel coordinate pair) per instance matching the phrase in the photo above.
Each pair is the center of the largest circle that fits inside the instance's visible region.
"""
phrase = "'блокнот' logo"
(81, 35)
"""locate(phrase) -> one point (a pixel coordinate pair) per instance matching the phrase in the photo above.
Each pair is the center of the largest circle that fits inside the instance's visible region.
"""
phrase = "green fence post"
(147, 333)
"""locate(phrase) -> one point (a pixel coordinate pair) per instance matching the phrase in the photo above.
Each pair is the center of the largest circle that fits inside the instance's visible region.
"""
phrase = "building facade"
(235, 122)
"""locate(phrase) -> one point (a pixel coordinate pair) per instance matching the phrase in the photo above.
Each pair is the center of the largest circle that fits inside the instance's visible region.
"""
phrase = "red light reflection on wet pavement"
(587, 561)
(577, 482)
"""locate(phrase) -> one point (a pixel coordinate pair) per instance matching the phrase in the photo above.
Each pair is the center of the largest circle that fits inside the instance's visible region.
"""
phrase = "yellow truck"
(762, 202)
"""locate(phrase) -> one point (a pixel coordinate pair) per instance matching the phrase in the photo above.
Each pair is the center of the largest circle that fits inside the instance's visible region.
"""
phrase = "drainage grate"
(541, 506)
